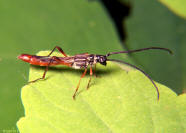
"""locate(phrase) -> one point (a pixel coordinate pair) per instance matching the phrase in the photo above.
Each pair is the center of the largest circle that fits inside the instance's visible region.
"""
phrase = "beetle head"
(102, 59)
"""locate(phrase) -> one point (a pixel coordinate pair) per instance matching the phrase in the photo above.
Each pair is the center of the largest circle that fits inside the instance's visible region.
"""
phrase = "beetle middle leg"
(91, 73)
(95, 71)
(84, 73)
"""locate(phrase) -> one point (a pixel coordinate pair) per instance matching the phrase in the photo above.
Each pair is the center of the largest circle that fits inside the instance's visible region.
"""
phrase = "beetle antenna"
(138, 50)
(115, 60)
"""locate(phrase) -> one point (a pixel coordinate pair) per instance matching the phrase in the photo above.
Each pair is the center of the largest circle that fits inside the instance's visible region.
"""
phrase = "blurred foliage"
(152, 24)
(177, 6)
(107, 106)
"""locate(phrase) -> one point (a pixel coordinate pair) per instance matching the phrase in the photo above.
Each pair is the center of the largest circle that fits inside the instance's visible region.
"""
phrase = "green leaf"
(117, 101)
(152, 24)
(177, 6)
(31, 26)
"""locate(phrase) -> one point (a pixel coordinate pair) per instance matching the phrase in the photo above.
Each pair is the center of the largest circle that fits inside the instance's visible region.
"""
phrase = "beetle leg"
(84, 73)
(46, 69)
(91, 73)
(95, 71)
(59, 49)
